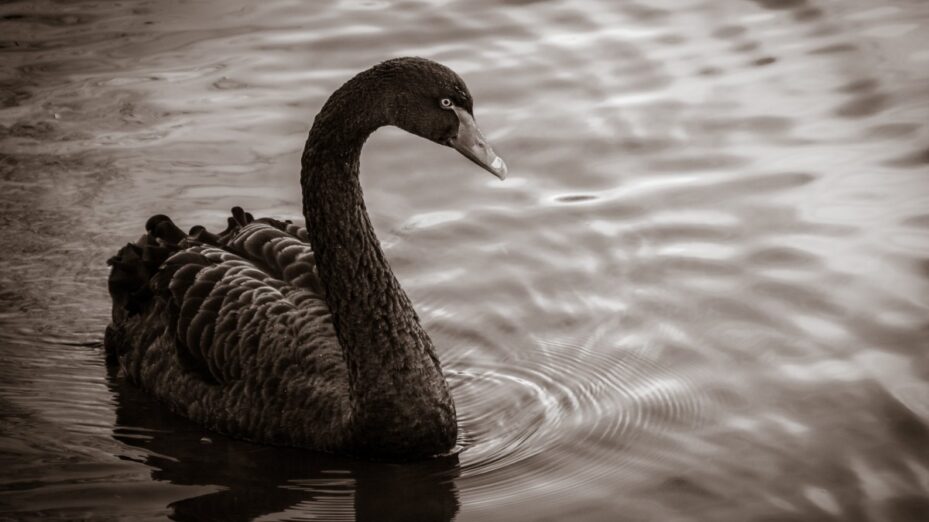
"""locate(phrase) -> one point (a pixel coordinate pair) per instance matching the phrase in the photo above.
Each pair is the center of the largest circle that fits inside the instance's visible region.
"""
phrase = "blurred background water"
(702, 294)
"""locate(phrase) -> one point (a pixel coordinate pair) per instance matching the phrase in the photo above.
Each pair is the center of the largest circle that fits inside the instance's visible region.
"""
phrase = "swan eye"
(446, 103)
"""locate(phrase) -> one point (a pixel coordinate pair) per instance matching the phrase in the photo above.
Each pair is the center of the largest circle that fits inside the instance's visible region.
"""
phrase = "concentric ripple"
(570, 403)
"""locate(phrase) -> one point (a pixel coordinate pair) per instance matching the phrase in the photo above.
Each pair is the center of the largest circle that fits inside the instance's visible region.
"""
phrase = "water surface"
(702, 293)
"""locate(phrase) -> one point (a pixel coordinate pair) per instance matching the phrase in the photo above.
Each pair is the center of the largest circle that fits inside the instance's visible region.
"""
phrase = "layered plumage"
(232, 331)
(298, 336)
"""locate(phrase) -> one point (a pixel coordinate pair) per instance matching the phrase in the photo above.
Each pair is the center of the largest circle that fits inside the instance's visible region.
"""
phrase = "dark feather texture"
(255, 333)
(232, 331)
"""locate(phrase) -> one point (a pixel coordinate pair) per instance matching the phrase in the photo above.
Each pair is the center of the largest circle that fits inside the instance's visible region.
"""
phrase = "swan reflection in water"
(253, 480)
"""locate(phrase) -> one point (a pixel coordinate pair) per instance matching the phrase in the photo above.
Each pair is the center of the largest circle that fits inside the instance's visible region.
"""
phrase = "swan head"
(430, 100)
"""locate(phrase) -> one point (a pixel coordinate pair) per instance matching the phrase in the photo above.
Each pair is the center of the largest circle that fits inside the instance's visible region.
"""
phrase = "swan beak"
(472, 145)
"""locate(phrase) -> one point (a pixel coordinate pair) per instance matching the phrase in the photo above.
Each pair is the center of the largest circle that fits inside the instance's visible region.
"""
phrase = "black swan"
(293, 336)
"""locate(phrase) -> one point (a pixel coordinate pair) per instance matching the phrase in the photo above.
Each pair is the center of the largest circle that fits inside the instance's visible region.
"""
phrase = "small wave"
(569, 404)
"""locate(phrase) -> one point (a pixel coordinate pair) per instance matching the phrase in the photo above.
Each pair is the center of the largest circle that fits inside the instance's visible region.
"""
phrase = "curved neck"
(401, 402)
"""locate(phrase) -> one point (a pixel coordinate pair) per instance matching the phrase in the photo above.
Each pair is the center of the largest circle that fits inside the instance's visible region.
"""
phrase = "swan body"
(300, 336)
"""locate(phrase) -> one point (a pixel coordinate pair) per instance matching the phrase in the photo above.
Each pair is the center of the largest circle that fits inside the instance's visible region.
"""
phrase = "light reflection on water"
(701, 295)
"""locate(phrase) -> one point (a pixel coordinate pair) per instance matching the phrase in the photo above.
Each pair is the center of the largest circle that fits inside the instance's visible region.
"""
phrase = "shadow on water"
(252, 481)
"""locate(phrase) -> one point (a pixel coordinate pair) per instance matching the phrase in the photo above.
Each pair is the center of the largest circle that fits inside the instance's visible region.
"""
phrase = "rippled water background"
(701, 295)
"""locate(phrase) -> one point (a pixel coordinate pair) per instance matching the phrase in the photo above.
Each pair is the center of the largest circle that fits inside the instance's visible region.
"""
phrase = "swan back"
(232, 330)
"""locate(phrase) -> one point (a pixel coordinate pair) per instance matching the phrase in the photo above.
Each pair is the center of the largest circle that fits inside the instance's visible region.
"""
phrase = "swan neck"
(401, 401)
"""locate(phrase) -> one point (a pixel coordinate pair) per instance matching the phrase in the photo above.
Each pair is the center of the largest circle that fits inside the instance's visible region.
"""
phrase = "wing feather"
(223, 292)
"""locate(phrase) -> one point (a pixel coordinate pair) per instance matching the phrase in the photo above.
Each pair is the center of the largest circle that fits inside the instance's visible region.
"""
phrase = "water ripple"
(565, 397)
